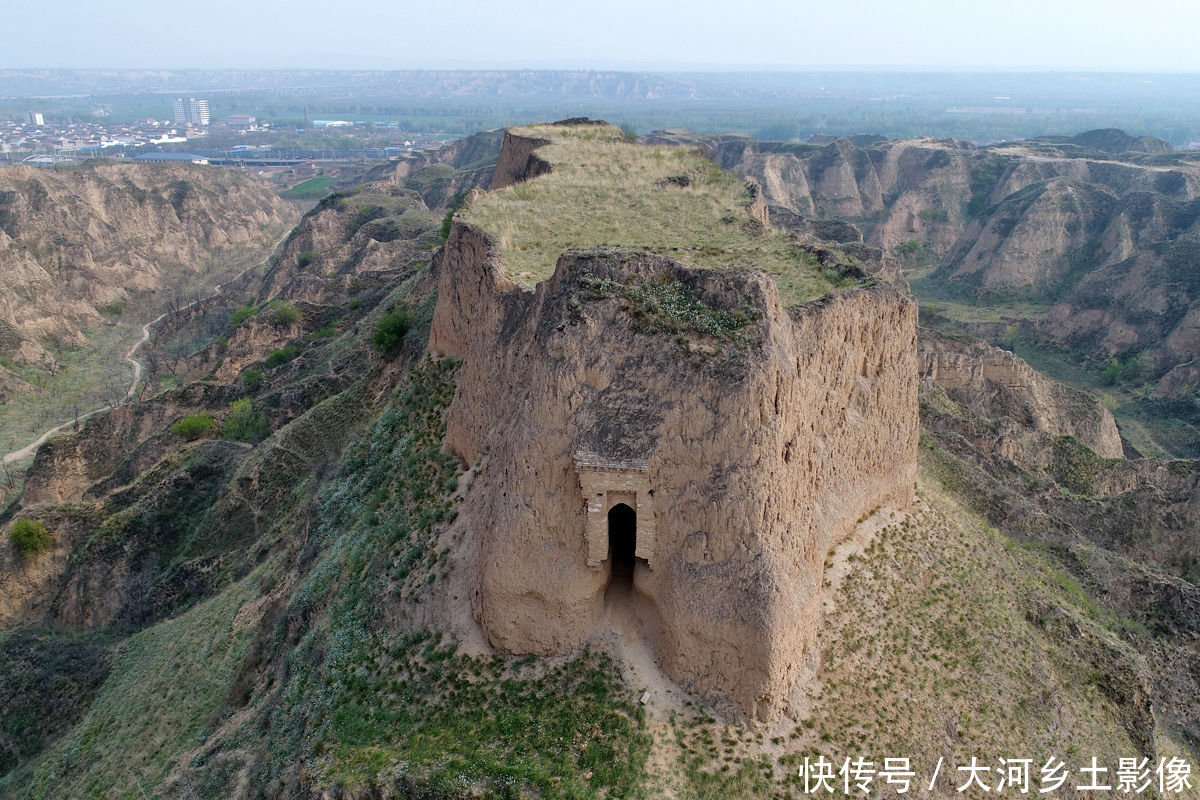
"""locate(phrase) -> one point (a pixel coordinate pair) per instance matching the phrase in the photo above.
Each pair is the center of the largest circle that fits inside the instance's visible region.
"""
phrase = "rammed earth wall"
(761, 452)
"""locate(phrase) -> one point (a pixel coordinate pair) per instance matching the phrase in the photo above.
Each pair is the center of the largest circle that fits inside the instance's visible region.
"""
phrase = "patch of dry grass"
(605, 191)
(945, 639)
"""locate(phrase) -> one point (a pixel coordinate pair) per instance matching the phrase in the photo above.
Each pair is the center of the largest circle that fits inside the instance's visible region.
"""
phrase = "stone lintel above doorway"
(604, 483)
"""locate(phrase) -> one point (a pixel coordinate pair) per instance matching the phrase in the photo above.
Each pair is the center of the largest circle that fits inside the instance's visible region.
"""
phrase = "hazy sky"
(1151, 35)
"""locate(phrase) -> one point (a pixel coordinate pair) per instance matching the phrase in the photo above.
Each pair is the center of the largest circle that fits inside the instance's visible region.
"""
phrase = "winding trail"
(31, 448)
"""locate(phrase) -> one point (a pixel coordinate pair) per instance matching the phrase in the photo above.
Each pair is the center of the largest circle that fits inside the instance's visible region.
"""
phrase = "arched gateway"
(605, 485)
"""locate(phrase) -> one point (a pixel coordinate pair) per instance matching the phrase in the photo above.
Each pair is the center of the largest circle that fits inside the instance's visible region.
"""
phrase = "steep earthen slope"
(451, 171)
(1030, 409)
(1122, 532)
(72, 241)
(1085, 248)
(365, 235)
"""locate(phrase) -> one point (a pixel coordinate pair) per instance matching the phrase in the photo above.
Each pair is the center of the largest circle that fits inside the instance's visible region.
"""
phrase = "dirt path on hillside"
(28, 450)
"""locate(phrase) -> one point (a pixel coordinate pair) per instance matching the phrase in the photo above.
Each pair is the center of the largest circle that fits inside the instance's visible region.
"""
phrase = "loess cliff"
(75, 241)
(1096, 226)
(1079, 248)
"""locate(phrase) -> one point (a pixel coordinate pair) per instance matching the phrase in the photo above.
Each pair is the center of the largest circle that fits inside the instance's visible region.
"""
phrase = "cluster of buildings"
(34, 135)
(193, 113)
(33, 139)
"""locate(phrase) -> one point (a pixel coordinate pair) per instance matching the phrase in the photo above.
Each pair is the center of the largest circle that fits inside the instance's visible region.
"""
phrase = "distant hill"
(1052, 221)
(76, 241)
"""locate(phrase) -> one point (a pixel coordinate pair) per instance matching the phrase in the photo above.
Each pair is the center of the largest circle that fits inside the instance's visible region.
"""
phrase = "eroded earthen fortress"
(713, 480)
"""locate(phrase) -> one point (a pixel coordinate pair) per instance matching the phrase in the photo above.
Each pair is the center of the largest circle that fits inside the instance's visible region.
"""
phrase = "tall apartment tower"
(191, 111)
(33, 118)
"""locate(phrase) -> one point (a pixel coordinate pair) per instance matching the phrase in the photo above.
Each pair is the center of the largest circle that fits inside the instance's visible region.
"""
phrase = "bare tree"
(173, 356)
(153, 366)
(112, 391)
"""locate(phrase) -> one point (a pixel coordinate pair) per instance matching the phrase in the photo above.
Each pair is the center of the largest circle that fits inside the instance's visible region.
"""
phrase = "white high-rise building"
(34, 118)
(191, 112)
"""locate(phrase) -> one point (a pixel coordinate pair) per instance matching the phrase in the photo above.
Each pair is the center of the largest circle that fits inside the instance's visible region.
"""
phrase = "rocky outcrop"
(1180, 379)
(75, 240)
(746, 459)
(518, 161)
(1029, 408)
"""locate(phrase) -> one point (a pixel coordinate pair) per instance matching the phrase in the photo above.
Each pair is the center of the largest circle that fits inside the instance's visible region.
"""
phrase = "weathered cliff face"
(746, 460)
(1091, 223)
(74, 240)
(145, 521)
(1033, 237)
(441, 175)
(1146, 302)
(1108, 245)
(913, 190)
(353, 239)
(1029, 408)
(518, 161)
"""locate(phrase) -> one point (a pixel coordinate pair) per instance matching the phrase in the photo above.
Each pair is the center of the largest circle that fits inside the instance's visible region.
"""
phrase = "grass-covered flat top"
(607, 191)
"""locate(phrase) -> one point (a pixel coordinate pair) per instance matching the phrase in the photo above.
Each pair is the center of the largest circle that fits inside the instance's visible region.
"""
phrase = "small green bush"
(328, 332)
(6, 362)
(365, 214)
(305, 258)
(355, 303)
(113, 309)
(281, 356)
(252, 379)
(287, 315)
(242, 314)
(30, 537)
(1132, 370)
(910, 247)
(390, 331)
(628, 134)
(244, 423)
(448, 220)
(194, 427)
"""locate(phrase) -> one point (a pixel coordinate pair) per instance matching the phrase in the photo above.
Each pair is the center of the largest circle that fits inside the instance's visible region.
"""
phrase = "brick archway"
(605, 484)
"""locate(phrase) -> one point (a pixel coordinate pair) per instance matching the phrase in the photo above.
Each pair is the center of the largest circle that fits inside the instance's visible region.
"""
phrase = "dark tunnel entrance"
(622, 543)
